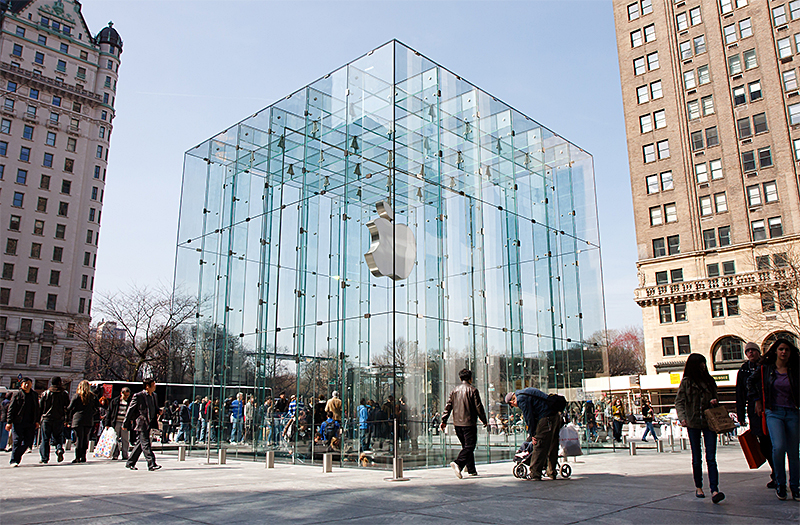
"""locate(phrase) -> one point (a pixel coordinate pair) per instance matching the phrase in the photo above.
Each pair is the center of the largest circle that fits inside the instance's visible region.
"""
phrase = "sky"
(191, 68)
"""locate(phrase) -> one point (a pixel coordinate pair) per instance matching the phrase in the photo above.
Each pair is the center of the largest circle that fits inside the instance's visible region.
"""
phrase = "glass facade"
(374, 233)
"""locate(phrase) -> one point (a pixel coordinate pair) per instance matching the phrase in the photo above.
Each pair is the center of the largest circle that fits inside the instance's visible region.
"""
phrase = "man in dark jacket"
(141, 417)
(53, 405)
(23, 419)
(745, 407)
(5, 401)
(542, 414)
(466, 406)
(115, 418)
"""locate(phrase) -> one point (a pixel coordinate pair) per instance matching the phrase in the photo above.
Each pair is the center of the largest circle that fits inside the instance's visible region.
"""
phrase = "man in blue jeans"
(363, 424)
(23, 419)
(237, 418)
(53, 405)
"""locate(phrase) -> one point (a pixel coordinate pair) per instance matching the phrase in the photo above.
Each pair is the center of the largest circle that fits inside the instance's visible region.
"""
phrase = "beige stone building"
(712, 115)
(58, 85)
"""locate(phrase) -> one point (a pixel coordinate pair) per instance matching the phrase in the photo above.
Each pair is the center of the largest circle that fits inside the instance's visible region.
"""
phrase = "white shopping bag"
(106, 444)
(569, 441)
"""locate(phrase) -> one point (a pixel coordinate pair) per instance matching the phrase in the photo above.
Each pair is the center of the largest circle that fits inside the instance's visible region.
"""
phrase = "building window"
(44, 355)
(18, 199)
(707, 103)
(765, 157)
(24, 154)
(63, 209)
(674, 244)
(758, 230)
(729, 349)
(680, 312)
(775, 227)
(712, 137)
(689, 81)
(8, 271)
(52, 299)
(22, 176)
(755, 90)
(66, 187)
(749, 58)
(22, 354)
(724, 235)
(732, 305)
(67, 360)
(47, 160)
(663, 149)
(99, 152)
(670, 212)
(652, 61)
(666, 180)
(676, 275)
(734, 65)
(705, 206)
(665, 313)
(36, 250)
(668, 346)
(754, 195)
(659, 247)
(794, 114)
(639, 66)
(61, 66)
(94, 193)
(682, 21)
(33, 275)
(5, 296)
(684, 348)
(699, 44)
(779, 15)
(709, 239)
(655, 216)
(790, 80)
(652, 184)
(685, 49)
(56, 101)
(50, 139)
(697, 141)
(11, 246)
(717, 309)
(71, 144)
(767, 301)
(55, 277)
(770, 192)
(661, 278)
(655, 90)
(17, 50)
(729, 32)
(794, 9)
(646, 123)
(703, 75)
(743, 127)
(784, 47)
(748, 161)
(693, 109)
(721, 202)
(61, 231)
(760, 123)
(701, 172)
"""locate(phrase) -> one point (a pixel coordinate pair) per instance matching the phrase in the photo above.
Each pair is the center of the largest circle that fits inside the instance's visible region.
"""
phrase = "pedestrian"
(249, 418)
(746, 408)
(194, 410)
(82, 411)
(166, 421)
(542, 414)
(647, 415)
(141, 417)
(329, 432)
(363, 424)
(618, 413)
(115, 418)
(237, 418)
(5, 401)
(22, 419)
(184, 418)
(319, 411)
(466, 407)
(698, 392)
(590, 420)
(53, 405)
(203, 420)
(334, 405)
(775, 389)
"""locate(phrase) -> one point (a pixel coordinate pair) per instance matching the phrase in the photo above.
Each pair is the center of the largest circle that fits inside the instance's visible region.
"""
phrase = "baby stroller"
(523, 458)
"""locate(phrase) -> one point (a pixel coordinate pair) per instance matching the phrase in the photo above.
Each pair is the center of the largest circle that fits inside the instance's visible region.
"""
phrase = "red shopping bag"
(751, 449)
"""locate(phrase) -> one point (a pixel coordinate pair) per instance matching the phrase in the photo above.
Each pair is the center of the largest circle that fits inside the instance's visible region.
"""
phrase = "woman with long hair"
(696, 393)
(82, 410)
(775, 387)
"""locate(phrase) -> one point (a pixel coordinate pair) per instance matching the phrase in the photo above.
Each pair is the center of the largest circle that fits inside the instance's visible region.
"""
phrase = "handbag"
(718, 419)
(751, 449)
(106, 444)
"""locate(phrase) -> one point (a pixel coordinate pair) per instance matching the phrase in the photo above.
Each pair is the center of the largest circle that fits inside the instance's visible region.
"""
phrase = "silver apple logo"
(394, 249)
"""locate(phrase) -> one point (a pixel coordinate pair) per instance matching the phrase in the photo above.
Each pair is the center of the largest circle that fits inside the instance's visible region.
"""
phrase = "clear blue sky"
(192, 68)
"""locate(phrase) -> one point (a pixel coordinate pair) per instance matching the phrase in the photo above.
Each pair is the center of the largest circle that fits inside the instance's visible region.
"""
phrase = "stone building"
(712, 112)
(58, 87)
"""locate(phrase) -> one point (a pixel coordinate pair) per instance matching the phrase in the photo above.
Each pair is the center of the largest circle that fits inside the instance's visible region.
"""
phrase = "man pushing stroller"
(542, 413)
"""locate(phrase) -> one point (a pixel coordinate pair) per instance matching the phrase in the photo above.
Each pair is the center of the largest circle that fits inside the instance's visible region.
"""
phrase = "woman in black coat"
(82, 411)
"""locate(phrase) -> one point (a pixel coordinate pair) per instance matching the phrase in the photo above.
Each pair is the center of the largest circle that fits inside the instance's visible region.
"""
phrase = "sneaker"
(772, 484)
(473, 474)
(60, 455)
(42, 462)
(14, 464)
(456, 469)
(781, 492)
(154, 467)
(552, 475)
(131, 467)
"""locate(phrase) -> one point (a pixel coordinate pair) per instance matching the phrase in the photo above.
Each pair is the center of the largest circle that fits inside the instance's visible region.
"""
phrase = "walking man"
(115, 418)
(53, 405)
(466, 406)
(334, 405)
(185, 420)
(542, 414)
(23, 419)
(141, 417)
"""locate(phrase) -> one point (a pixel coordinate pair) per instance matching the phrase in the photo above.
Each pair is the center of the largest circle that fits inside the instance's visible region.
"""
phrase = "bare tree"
(626, 351)
(147, 339)
(777, 286)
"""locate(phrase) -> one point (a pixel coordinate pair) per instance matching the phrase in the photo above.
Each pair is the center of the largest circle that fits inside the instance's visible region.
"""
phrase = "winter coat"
(770, 374)
(692, 399)
(83, 414)
(53, 405)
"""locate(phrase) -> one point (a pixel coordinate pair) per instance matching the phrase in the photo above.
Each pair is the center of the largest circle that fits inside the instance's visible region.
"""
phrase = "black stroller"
(523, 458)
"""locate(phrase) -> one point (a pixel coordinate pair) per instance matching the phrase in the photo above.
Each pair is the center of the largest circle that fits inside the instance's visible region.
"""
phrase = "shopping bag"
(106, 444)
(718, 419)
(751, 449)
(569, 440)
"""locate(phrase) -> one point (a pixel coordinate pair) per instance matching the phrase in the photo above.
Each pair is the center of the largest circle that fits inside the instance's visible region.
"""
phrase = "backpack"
(557, 402)
(330, 430)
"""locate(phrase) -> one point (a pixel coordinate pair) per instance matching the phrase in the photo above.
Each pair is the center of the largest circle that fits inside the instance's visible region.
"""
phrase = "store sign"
(721, 377)
(393, 251)
(674, 378)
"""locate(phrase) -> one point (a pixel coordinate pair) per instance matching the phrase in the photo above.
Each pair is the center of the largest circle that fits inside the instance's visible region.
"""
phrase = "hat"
(26, 380)
(752, 346)
(509, 396)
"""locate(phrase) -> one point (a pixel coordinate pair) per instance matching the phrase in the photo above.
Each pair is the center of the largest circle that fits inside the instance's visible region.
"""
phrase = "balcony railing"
(737, 284)
(49, 81)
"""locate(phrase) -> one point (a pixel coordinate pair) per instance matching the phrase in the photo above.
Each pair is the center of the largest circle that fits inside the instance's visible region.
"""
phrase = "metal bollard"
(327, 462)
(397, 468)
(270, 463)
(632, 446)
(91, 446)
(68, 444)
(223, 456)
(182, 453)
(684, 443)
(660, 445)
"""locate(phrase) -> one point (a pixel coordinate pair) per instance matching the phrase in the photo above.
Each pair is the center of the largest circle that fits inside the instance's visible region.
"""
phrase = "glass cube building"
(374, 233)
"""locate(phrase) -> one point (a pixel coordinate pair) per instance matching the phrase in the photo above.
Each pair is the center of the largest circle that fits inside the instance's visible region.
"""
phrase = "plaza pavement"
(605, 488)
